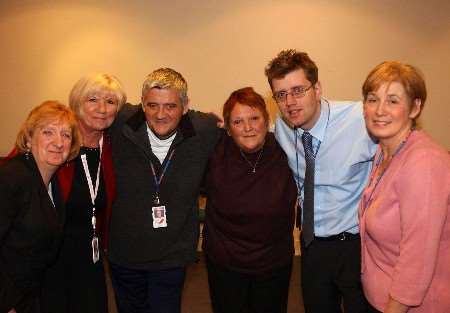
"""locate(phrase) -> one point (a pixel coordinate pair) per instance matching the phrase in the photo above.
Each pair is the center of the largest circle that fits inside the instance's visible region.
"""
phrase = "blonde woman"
(76, 283)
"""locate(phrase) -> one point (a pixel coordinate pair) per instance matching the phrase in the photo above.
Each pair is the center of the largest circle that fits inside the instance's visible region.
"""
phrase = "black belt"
(344, 236)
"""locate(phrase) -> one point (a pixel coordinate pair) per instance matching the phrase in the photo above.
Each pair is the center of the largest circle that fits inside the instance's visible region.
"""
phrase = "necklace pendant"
(252, 166)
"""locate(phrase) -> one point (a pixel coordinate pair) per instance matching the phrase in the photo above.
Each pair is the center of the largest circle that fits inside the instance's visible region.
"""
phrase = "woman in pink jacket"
(405, 209)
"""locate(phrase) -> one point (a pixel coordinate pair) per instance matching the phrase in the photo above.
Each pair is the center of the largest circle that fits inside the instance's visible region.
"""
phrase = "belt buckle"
(342, 236)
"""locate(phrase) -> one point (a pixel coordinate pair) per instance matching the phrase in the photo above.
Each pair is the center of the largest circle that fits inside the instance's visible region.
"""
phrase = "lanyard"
(297, 174)
(157, 180)
(93, 191)
(377, 165)
(50, 193)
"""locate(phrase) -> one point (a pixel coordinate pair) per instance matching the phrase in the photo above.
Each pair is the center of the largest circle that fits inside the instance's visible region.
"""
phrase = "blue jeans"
(143, 291)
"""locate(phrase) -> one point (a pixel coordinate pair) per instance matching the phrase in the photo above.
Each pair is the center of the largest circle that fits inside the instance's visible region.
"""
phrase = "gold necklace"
(253, 166)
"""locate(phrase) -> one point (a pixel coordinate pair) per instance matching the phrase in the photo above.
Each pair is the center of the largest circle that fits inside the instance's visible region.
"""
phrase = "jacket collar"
(66, 172)
(58, 202)
(137, 130)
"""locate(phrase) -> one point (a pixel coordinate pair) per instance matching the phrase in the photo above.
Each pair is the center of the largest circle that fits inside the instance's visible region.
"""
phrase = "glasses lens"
(298, 92)
(280, 96)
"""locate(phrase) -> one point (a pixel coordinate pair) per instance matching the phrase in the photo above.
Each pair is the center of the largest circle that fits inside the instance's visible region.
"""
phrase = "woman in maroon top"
(249, 212)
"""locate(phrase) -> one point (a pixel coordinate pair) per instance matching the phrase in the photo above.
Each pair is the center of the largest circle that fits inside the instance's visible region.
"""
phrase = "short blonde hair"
(98, 82)
(166, 78)
(44, 114)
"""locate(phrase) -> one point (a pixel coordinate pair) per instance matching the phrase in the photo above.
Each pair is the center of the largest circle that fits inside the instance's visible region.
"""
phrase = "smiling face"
(50, 145)
(247, 127)
(389, 113)
(163, 111)
(98, 111)
(298, 112)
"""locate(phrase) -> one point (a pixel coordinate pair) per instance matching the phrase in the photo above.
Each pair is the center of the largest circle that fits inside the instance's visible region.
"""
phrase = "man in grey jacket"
(160, 152)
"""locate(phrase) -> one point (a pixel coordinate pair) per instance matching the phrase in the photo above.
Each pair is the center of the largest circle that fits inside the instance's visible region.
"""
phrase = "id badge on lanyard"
(159, 212)
(93, 191)
(159, 216)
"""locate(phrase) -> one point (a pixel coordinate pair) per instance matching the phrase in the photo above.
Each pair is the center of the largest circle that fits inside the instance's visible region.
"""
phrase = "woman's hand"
(394, 306)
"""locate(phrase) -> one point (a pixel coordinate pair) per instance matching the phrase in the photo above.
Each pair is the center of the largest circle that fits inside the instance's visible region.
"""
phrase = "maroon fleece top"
(249, 216)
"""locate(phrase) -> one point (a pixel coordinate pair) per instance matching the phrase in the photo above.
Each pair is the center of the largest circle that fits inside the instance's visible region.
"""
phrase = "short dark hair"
(290, 60)
(245, 96)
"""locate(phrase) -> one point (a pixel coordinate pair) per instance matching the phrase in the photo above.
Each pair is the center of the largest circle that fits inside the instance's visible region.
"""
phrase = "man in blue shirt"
(330, 180)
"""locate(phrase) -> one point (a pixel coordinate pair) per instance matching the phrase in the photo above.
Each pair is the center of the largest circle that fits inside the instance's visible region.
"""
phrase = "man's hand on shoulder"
(220, 122)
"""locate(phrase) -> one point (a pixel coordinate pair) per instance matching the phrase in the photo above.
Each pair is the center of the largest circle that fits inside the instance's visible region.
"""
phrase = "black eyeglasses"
(297, 92)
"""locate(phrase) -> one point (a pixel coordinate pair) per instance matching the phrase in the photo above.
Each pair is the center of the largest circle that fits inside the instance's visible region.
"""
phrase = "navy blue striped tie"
(308, 191)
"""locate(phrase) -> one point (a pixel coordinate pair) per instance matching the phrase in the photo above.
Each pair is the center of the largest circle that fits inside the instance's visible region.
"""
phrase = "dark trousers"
(234, 292)
(142, 291)
(331, 277)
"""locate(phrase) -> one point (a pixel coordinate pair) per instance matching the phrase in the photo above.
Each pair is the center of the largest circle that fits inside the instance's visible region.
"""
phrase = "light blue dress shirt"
(344, 152)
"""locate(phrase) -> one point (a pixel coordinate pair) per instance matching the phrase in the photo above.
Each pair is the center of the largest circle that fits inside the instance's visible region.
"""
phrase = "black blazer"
(30, 233)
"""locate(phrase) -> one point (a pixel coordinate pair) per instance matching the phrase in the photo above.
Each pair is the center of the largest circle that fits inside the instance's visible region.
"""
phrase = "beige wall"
(218, 45)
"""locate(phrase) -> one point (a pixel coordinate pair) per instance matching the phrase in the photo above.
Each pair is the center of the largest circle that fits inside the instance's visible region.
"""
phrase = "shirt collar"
(318, 130)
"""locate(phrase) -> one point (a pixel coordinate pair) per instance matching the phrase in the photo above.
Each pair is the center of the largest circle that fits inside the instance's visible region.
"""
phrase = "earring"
(28, 147)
